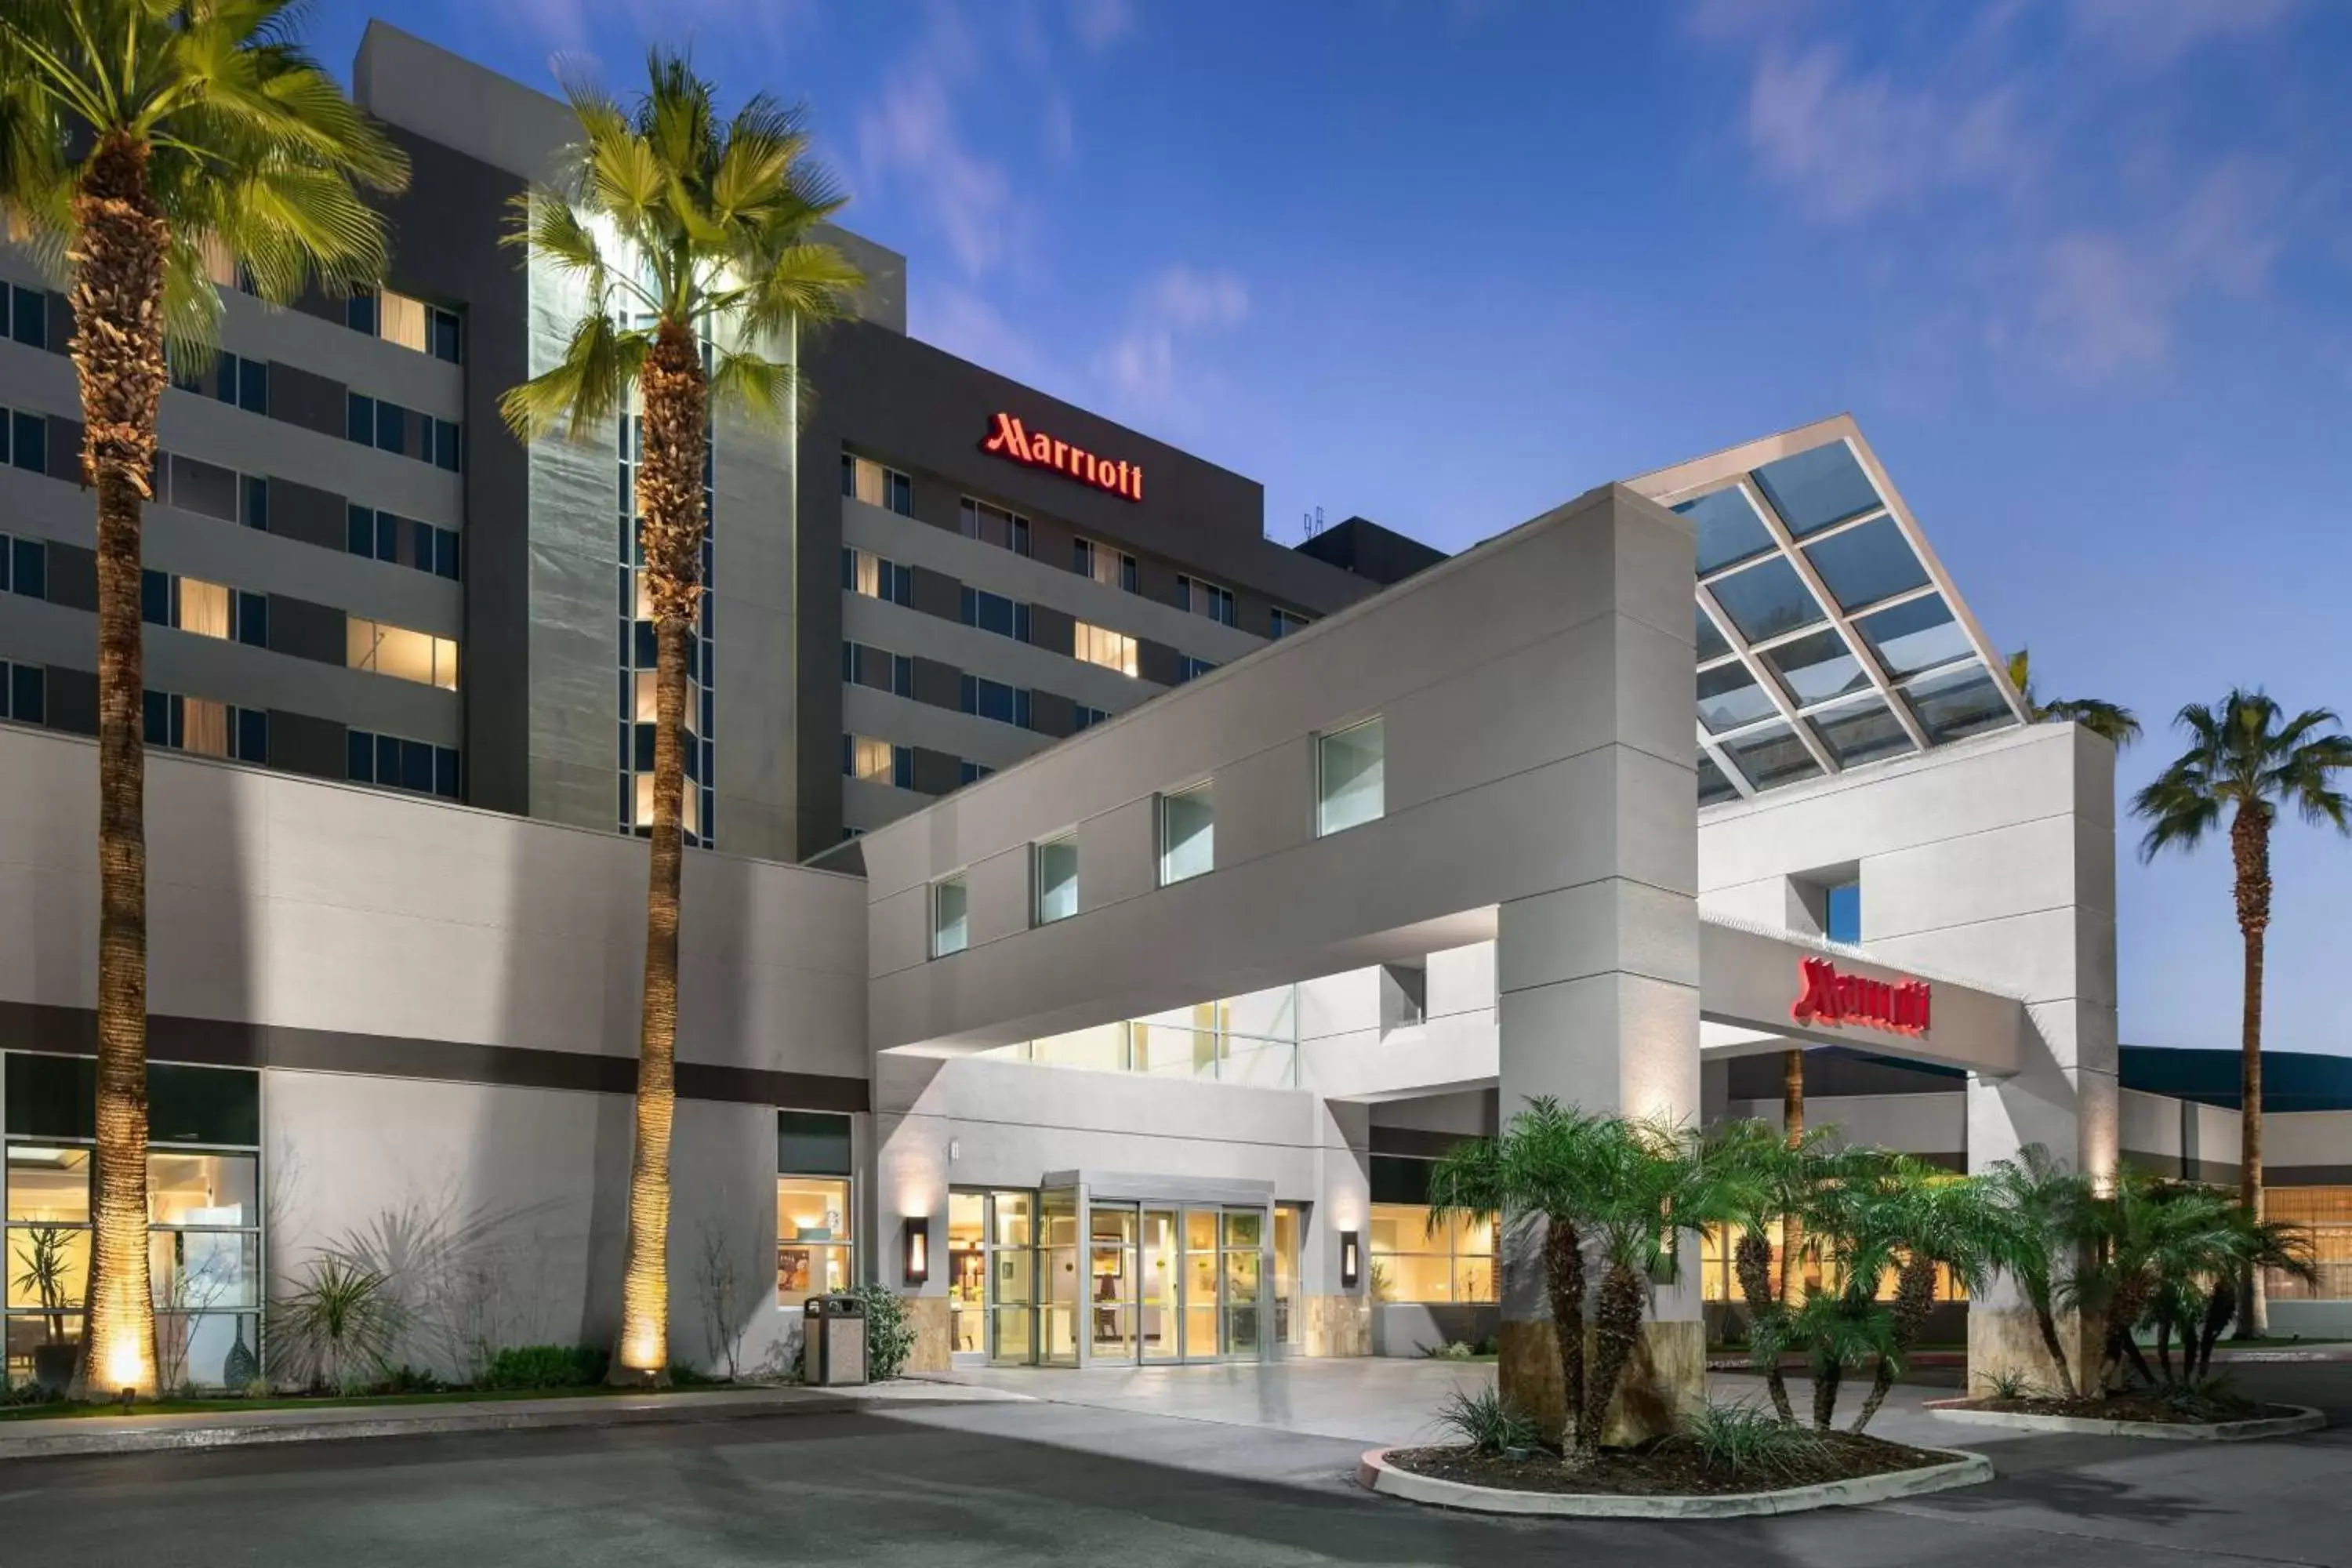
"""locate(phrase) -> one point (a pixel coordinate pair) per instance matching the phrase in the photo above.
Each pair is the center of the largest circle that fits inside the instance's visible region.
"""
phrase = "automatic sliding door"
(1011, 1279)
(1244, 1259)
(1201, 1294)
(1162, 1338)
(1111, 1305)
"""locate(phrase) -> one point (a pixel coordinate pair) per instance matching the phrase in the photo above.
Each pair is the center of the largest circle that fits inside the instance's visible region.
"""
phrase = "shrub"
(1742, 1440)
(2009, 1383)
(1452, 1349)
(890, 1337)
(406, 1379)
(31, 1393)
(1486, 1423)
(337, 1327)
(547, 1366)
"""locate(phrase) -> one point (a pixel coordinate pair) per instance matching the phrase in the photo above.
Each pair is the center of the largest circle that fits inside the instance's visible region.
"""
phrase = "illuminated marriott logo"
(1041, 451)
(1830, 999)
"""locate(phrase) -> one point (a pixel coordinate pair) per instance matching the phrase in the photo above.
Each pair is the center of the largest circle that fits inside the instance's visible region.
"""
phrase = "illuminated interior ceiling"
(1830, 637)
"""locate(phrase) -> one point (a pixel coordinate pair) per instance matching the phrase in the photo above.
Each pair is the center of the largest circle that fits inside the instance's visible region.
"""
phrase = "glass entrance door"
(1011, 1279)
(1161, 1334)
(1111, 1303)
(1245, 1256)
(1201, 1255)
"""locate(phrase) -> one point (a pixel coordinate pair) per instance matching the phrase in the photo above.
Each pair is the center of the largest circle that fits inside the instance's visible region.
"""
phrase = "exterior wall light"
(915, 1250)
(1351, 1259)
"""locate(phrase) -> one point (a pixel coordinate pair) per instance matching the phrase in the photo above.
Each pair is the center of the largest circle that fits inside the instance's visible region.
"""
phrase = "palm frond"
(586, 390)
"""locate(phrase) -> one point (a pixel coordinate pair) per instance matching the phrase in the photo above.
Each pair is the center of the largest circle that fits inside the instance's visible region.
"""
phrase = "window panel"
(1863, 565)
(1057, 879)
(204, 727)
(950, 916)
(1728, 697)
(1710, 639)
(1817, 667)
(1958, 703)
(47, 1184)
(1728, 528)
(402, 319)
(1813, 489)
(1712, 787)
(1349, 775)
(1861, 733)
(204, 488)
(1767, 600)
(1771, 756)
(203, 609)
(1188, 826)
(1101, 645)
(1912, 636)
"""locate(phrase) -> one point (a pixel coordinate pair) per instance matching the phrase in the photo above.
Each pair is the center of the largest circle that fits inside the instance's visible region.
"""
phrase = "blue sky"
(2082, 269)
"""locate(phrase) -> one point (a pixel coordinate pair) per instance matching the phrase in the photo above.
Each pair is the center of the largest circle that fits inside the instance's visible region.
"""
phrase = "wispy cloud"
(1144, 364)
(1847, 143)
(1101, 24)
(2159, 31)
(909, 140)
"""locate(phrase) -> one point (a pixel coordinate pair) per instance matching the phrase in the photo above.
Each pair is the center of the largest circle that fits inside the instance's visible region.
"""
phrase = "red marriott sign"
(1036, 449)
(1829, 999)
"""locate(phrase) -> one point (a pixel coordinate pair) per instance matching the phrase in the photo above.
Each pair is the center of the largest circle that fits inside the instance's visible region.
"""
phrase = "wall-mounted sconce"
(1351, 1260)
(915, 1250)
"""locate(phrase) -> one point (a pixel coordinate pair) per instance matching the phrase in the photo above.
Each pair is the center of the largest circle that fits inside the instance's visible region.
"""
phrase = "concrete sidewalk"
(30, 1438)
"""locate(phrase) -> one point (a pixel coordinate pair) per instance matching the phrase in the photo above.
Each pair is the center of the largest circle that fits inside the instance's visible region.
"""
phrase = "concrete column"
(1597, 977)
(2065, 1097)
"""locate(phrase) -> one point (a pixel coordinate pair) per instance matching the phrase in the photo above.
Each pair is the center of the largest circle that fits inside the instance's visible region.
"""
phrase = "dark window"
(29, 323)
(359, 418)
(257, 503)
(359, 533)
(388, 759)
(446, 453)
(810, 1144)
(360, 748)
(155, 597)
(252, 735)
(448, 337)
(902, 766)
(28, 568)
(902, 675)
(29, 689)
(387, 536)
(252, 613)
(995, 612)
(359, 311)
(995, 700)
(445, 771)
(391, 428)
(205, 489)
(1191, 669)
(155, 717)
(445, 554)
(1086, 718)
(416, 766)
(30, 447)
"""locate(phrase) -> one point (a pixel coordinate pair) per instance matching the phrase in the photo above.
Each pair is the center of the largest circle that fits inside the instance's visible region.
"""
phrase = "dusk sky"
(2081, 270)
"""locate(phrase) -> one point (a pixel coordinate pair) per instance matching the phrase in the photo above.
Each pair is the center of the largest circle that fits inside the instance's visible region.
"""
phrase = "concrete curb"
(1374, 1473)
(95, 1434)
(2306, 1419)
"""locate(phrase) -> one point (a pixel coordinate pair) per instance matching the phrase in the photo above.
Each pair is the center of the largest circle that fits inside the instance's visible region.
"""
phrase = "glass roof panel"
(1814, 488)
(1816, 667)
(1958, 703)
(1710, 641)
(1767, 599)
(1914, 636)
(1865, 564)
(1712, 787)
(1858, 733)
(1770, 756)
(1728, 528)
(1729, 697)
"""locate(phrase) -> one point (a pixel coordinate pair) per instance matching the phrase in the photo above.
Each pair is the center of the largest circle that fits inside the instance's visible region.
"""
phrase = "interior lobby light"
(915, 1250)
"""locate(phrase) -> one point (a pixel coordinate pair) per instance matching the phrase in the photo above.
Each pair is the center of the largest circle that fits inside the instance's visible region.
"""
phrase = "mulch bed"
(2136, 1406)
(1663, 1469)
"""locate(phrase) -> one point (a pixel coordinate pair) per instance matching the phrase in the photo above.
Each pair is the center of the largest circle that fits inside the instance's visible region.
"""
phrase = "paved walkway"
(1376, 1400)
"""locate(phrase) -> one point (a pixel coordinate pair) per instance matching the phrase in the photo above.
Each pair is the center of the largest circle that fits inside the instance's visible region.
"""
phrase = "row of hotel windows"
(374, 422)
(877, 485)
(212, 610)
(885, 762)
(882, 670)
(864, 573)
(1349, 789)
(410, 323)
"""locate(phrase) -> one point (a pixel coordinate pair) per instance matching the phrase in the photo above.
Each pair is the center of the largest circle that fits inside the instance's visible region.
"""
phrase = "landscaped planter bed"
(1668, 1480)
(2134, 1416)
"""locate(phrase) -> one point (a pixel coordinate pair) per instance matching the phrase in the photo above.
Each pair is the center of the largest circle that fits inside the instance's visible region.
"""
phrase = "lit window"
(862, 479)
(1057, 879)
(1111, 568)
(403, 653)
(863, 572)
(400, 319)
(1188, 834)
(690, 809)
(869, 759)
(1349, 766)
(815, 1253)
(203, 609)
(1101, 645)
(1411, 1262)
(950, 916)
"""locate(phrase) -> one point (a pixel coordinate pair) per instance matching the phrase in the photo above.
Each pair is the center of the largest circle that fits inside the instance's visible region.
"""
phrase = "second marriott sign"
(1829, 998)
(1039, 451)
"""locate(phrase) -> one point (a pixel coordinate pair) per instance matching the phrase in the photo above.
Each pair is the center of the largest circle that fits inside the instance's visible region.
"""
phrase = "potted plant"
(44, 1259)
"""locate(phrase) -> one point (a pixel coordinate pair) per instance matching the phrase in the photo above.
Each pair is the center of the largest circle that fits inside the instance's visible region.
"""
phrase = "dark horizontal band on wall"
(212, 1042)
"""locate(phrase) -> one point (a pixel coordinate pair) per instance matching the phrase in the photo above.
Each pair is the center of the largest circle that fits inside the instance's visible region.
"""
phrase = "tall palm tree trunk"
(1792, 1125)
(1754, 1256)
(117, 349)
(670, 500)
(1564, 1282)
(2249, 847)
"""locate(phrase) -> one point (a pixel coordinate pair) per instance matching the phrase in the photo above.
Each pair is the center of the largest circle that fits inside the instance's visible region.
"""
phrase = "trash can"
(832, 1341)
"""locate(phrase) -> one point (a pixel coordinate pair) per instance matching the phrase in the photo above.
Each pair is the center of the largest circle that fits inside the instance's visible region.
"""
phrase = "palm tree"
(691, 236)
(1543, 1169)
(2118, 725)
(2247, 758)
(138, 139)
(2044, 1204)
(1934, 1221)
(1767, 1180)
(1792, 1127)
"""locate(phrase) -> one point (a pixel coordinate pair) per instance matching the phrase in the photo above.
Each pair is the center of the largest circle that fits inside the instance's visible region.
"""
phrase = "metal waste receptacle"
(832, 1341)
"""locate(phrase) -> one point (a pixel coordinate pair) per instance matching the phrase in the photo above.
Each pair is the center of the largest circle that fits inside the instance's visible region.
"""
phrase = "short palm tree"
(1767, 1181)
(143, 144)
(1932, 1221)
(1542, 1169)
(692, 237)
(2117, 724)
(2045, 1206)
(2247, 759)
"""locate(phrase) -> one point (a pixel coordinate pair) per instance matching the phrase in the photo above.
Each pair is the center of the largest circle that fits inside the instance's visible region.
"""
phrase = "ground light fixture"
(1350, 1258)
(915, 1250)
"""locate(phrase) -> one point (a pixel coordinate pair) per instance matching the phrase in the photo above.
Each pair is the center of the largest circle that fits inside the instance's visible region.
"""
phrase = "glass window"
(1957, 703)
(1349, 771)
(1728, 528)
(1766, 600)
(867, 480)
(815, 1248)
(1861, 733)
(1057, 879)
(1413, 1262)
(1710, 639)
(203, 609)
(1187, 830)
(1915, 635)
(400, 653)
(950, 916)
(1842, 905)
(401, 320)
(1770, 756)
(995, 525)
(1817, 667)
(1728, 697)
(869, 758)
(1863, 565)
(1813, 489)
(1207, 599)
(1713, 788)
(1101, 645)
(204, 488)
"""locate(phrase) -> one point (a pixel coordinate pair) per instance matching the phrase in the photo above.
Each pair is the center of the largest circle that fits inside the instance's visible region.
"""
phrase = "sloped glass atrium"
(1827, 637)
